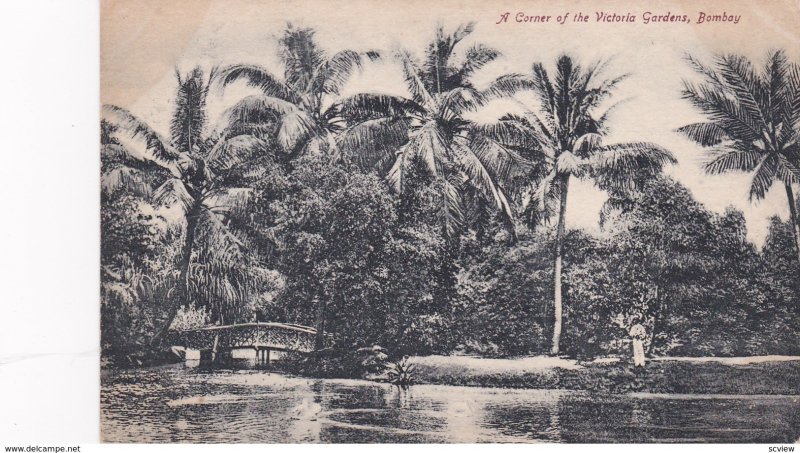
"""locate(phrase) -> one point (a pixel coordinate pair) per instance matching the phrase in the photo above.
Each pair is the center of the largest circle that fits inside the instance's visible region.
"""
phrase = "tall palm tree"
(203, 175)
(569, 125)
(299, 109)
(431, 126)
(301, 103)
(753, 122)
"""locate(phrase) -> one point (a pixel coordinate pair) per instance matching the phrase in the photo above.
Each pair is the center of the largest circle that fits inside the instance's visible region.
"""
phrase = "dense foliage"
(401, 222)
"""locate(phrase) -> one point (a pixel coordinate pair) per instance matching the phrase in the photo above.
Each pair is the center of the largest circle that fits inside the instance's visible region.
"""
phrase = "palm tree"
(569, 134)
(300, 104)
(430, 126)
(299, 110)
(753, 119)
(203, 176)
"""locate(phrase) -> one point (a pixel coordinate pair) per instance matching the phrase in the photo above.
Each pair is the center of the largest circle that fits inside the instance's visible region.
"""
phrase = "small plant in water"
(401, 373)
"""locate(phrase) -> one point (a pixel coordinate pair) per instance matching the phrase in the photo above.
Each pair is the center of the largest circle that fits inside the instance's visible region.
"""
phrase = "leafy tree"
(569, 129)
(781, 277)
(299, 109)
(659, 257)
(492, 314)
(432, 126)
(202, 176)
(351, 269)
(753, 120)
(689, 276)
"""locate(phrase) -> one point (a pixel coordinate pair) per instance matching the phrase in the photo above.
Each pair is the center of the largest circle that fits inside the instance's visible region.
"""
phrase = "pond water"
(180, 405)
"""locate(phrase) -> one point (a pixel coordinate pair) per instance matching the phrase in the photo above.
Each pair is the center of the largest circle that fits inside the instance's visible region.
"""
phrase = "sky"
(144, 41)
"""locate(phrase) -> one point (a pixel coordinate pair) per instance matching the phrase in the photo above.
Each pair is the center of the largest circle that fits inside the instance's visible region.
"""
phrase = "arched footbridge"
(257, 343)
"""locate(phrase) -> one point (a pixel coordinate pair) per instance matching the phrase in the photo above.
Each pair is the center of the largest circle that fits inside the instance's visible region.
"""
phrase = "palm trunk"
(182, 287)
(793, 214)
(562, 211)
(319, 324)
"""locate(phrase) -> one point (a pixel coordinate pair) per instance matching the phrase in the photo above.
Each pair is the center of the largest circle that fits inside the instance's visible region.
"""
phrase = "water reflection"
(176, 405)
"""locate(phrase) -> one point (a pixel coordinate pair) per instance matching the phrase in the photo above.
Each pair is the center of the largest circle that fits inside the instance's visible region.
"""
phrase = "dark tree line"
(404, 221)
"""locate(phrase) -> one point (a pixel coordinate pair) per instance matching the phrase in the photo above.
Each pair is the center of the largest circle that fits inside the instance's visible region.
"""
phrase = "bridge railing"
(270, 335)
(279, 325)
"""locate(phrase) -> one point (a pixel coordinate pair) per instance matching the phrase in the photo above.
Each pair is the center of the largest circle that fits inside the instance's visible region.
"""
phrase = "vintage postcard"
(459, 221)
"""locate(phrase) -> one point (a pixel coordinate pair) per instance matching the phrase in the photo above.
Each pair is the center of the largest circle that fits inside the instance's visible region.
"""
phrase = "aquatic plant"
(401, 373)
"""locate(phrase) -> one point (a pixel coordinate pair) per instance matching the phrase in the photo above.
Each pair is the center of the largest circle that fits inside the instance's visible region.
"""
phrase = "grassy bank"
(751, 376)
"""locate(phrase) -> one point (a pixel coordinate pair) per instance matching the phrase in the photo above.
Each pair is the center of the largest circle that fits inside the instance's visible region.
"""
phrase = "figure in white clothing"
(638, 334)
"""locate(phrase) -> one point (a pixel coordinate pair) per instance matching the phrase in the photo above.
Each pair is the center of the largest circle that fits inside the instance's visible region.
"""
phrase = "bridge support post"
(198, 357)
(192, 358)
(262, 356)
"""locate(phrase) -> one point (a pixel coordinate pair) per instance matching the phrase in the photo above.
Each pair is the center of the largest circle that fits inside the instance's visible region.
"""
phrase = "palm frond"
(516, 133)
(546, 92)
(621, 166)
(763, 176)
(454, 103)
(726, 159)
(567, 76)
(227, 154)
(157, 145)
(778, 85)
(437, 60)
(793, 104)
(450, 212)
(705, 134)
(508, 85)
(479, 174)
(741, 79)
(429, 144)
(256, 109)
(603, 120)
(189, 118)
(415, 85)
(294, 125)
(248, 173)
(591, 98)
(115, 155)
(322, 143)
(173, 193)
(261, 78)
(475, 58)
(373, 141)
(710, 75)
(335, 72)
(587, 143)
(128, 180)
(369, 106)
(264, 131)
(722, 110)
(462, 32)
(540, 201)
(229, 202)
(568, 164)
(504, 162)
(788, 170)
(295, 130)
(301, 58)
